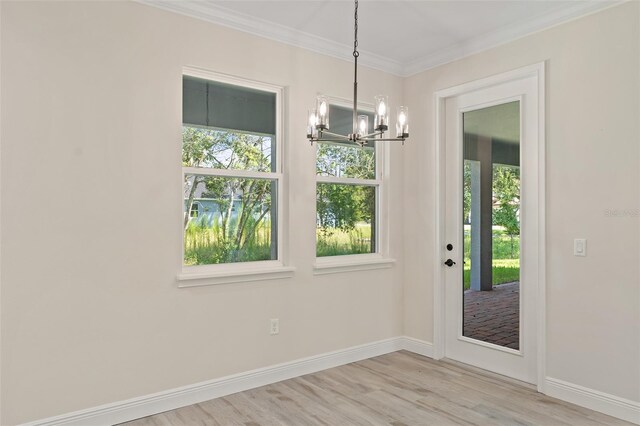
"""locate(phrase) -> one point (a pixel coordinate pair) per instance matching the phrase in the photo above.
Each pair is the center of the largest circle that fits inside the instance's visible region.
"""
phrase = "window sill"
(353, 263)
(204, 277)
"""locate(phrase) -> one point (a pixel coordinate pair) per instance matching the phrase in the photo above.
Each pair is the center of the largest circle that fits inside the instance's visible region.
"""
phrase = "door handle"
(449, 263)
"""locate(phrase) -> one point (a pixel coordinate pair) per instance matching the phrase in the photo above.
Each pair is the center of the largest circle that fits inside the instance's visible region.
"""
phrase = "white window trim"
(229, 273)
(351, 263)
(367, 261)
(202, 275)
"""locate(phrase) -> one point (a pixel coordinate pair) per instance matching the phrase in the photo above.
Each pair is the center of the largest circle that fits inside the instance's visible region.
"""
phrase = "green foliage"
(225, 149)
(342, 208)
(466, 192)
(205, 245)
(239, 230)
(506, 198)
(340, 160)
(505, 217)
(501, 272)
(335, 242)
(505, 254)
(503, 246)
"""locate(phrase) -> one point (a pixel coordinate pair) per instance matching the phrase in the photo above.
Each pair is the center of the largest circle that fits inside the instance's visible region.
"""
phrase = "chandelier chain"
(355, 32)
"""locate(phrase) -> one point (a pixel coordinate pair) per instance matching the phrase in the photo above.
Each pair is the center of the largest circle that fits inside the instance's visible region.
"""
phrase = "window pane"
(345, 161)
(341, 122)
(208, 103)
(345, 214)
(221, 149)
(491, 207)
(235, 220)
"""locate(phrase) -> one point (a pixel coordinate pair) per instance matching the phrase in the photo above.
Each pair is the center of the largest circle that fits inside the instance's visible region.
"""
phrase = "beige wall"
(91, 197)
(91, 122)
(593, 156)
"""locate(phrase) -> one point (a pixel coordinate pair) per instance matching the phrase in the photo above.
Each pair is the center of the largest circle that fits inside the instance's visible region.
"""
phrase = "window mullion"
(231, 173)
(348, 181)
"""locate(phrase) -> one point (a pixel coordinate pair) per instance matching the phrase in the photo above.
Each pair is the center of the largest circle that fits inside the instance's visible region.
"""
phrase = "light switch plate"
(580, 247)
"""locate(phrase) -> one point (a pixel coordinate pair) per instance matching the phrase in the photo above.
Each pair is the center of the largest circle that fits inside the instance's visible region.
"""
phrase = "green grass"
(209, 245)
(337, 242)
(206, 245)
(506, 257)
(503, 246)
(503, 271)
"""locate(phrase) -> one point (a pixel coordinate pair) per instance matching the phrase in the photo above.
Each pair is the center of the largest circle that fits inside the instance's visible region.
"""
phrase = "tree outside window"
(229, 175)
(346, 196)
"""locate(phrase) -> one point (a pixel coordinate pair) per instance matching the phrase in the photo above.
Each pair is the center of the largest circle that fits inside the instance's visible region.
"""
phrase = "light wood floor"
(397, 389)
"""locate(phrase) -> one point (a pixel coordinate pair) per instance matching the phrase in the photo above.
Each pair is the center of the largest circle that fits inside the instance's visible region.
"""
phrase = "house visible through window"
(230, 169)
(194, 210)
(347, 191)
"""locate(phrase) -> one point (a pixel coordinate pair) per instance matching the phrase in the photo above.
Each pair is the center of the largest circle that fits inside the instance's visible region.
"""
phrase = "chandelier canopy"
(318, 124)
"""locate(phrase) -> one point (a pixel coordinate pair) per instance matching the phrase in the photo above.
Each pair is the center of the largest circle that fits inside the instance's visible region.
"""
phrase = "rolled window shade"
(341, 120)
(211, 104)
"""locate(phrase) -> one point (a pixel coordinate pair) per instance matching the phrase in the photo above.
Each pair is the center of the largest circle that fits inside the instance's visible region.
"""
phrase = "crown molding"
(211, 12)
(507, 34)
(216, 14)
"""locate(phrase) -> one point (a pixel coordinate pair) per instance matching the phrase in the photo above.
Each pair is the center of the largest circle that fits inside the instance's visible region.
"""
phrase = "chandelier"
(318, 124)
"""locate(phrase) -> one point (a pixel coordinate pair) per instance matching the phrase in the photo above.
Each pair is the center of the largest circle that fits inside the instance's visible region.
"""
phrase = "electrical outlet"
(274, 326)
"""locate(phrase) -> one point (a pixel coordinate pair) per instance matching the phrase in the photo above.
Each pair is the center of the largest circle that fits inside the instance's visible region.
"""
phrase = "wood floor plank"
(398, 389)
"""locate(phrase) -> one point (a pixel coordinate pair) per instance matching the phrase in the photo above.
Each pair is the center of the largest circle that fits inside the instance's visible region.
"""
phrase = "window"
(231, 171)
(194, 209)
(347, 192)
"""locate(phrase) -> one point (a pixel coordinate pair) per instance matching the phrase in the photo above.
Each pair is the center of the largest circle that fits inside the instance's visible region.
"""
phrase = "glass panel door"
(491, 225)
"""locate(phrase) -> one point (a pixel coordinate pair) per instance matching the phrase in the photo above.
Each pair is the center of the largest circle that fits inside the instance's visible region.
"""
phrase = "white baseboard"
(192, 394)
(419, 347)
(595, 400)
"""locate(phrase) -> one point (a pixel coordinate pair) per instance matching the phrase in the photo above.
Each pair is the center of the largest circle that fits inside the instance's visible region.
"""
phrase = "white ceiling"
(398, 36)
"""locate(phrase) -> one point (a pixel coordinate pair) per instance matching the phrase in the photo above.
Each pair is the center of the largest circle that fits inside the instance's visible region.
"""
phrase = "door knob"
(449, 263)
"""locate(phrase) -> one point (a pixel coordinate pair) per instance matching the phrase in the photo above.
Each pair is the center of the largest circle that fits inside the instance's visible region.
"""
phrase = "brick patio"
(493, 316)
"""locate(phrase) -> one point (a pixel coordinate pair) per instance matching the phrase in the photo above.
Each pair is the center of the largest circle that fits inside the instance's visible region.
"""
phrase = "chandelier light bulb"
(322, 109)
(363, 125)
(382, 116)
(402, 122)
(312, 131)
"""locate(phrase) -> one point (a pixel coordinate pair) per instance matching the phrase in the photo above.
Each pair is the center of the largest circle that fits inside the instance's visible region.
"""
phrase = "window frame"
(364, 261)
(195, 204)
(223, 273)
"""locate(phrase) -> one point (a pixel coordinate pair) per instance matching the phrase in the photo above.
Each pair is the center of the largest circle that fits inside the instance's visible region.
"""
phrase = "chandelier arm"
(373, 135)
(327, 140)
(337, 135)
(383, 139)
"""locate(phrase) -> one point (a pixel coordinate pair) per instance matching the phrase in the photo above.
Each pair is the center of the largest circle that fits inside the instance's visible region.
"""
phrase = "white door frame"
(536, 71)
